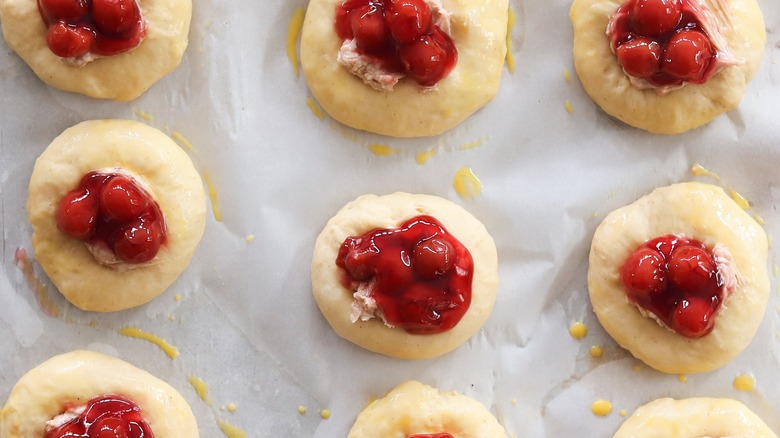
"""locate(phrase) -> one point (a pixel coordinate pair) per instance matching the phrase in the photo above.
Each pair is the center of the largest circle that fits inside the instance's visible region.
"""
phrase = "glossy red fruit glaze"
(107, 416)
(429, 58)
(640, 57)
(66, 10)
(408, 19)
(111, 210)
(430, 435)
(115, 26)
(656, 17)
(677, 280)
(684, 54)
(419, 273)
(688, 55)
(407, 41)
(68, 41)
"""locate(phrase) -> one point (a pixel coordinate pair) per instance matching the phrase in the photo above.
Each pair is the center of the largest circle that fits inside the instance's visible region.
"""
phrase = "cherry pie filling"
(678, 281)
(398, 36)
(418, 275)
(665, 42)
(112, 211)
(107, 416)
(76, 28)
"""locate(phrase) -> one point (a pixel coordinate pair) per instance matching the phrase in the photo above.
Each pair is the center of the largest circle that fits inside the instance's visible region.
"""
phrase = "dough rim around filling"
(603, 78)
(700, 211)
(124, 76)
(368, 212)
(694, 418)
(78, 376)
(145, 151)
(425, 410)
(479, 31)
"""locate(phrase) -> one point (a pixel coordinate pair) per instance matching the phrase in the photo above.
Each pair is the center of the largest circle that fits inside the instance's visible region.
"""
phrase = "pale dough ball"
(687, 108)
(479, 29)
(414, 408)
(369, 212)
(699, 211)
(78, 376)
(174, 183)
(694, 418)
(120, 77)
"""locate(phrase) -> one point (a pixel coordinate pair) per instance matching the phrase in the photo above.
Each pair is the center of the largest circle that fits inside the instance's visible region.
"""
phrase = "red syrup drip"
(421, 274)
(100, 27)
(662, 42)
(111, 210)
(400, 36)
(677, 280)
(108, 416)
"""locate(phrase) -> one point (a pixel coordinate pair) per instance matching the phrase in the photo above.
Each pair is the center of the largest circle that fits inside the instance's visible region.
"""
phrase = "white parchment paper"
(246, 323)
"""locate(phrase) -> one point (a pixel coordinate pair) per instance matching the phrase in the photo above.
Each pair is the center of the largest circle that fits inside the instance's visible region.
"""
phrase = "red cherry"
(358, 263)
(691, 268)
(433, 257)
(68, 41)
(369, 28)
(408, 19)
(115, 17)
(66, 10)
(656, 17)
(138, 241)
(640, 57)
(121, 200)
(77, 214)
(692, 317)
(428, 59)
(109, 427)
(688, 54)
(644, 274)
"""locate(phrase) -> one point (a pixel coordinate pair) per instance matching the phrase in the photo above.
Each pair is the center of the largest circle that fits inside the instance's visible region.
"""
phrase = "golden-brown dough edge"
(694, 418)
(371, 211)
(174, 183)
(120, 77)
(414, 408)
(479, 30)
(700, 211)
(80, 375)
(693, 105)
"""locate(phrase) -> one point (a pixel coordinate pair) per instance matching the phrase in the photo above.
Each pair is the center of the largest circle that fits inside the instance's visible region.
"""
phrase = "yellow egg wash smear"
(201, 388)
(578, 330)
(176, 135)
(293, 33)
(466, 184)
(382, 150)
(213, 196)
(134, 332)
(602, 408)
(230, 430)
(697, 170)
(745, 383)
(423, 157)
(40, 290)
(314, 108)
(510, 57)
(739, 199)
(143, 115)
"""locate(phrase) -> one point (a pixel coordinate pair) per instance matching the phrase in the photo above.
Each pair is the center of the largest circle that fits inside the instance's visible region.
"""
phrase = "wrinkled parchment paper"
(245, 322)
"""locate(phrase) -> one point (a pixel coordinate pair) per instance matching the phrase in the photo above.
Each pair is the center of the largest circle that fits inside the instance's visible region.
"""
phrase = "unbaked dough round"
(414, 408)
(694, 418)
(167, 171)
(79, 376)
(479, 29)
(703, 212)
(687, 108)
(369, 212)
(120, 77)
